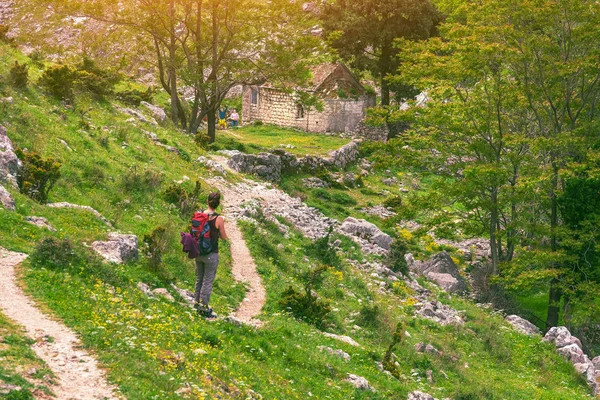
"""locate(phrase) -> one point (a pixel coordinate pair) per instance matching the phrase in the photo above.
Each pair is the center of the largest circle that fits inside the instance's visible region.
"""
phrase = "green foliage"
(202, 140)
(37, 175)
(133, 97)
(4, 34)
(19, 75)
(157, 244)
(98, 81)
(59, 81)
(394, 202)
(137, 181)
(395, 258)
(56, 254)
(388, 361)
(324, 251)
(306, 305)
(343, 199)
(370, 316)
(187, 201)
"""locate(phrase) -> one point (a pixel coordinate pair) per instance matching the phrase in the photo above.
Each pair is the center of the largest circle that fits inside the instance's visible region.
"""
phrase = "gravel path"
(78, 375)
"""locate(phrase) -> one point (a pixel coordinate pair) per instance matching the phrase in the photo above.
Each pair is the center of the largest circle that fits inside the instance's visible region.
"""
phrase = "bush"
(37, 176)
(95, 80)
(141, 182)
(324, 252)
(369, 315)
(56, 254)
(395, 258)
(4, 34)
(134, 97)
(305, 306)
(388, 361)
(343, 199)
(19, 75)
(157, 243)
(202, 140)
(394, 202)
(184, 155)
(59, 82)
(186, 201)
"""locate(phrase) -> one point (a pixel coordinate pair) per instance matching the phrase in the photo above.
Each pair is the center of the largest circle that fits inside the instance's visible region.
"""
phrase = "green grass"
(19, 366)
(254, 139)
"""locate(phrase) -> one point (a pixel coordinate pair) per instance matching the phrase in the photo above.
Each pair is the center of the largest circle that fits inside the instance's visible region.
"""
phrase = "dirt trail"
(243, 266)
(78, 375)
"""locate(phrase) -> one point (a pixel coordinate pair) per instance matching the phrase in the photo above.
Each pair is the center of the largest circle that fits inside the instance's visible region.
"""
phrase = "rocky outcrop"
(569, 347)
(443, 271)
(368, 235)
(41, 222)
(138, 115)
(417, 395)
(6, 199)
(264, 165)
(339, 353)
(9, 162)
(158, 113)
(314, 182)
(270, 165)
(213, 165)
(119, 248)
(360, 383)
(374, 133)
(342, 338)
(86, 208)
(154, 138)
(379, 211)
(522, 325)
(440, 313)
(426, 348)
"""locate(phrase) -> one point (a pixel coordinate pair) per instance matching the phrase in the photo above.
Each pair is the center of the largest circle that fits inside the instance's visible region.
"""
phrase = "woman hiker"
(206, 265)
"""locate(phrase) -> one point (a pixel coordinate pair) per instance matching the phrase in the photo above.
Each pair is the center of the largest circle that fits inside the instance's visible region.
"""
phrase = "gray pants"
(206, 270)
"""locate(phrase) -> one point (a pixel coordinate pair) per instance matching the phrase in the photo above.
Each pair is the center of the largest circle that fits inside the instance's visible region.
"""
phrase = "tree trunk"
(553, 304)
(212, 121)
(171, 67)
(385, 92)
(493, 231)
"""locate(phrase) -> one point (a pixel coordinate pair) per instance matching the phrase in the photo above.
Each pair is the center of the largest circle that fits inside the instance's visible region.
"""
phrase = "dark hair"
(214, 199)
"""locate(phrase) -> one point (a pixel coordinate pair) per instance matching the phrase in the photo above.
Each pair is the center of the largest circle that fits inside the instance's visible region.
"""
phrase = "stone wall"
(276, 107)
(374, 133)
(269, 166)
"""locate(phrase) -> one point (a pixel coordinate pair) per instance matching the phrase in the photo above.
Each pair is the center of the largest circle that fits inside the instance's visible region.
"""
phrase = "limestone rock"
(442, 263)
(119, 248)
(379, 211)
(522, 325)
(426, 348)
(158, 113)
(41, 222)
(561, 337)
(573, 353)
(164, 293)
(9, 162)
(417, 395)
(447, 282)
(360, 383)
(215, 166)
(314, 182)
(87, 208)
(145, 289)
(339, 353)
(137, 114)
(596, 362)
(366, 231)
(440, 313)
(345, 339)
(6, 199)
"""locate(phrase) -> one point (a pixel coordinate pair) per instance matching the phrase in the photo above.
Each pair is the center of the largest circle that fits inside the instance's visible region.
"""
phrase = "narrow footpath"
(78, 375)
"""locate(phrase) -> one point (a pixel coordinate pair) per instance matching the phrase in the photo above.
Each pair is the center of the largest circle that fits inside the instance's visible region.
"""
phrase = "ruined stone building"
(345, 102)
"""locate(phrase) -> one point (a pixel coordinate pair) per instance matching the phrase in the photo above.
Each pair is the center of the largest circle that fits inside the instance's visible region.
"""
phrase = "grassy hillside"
(154, 349)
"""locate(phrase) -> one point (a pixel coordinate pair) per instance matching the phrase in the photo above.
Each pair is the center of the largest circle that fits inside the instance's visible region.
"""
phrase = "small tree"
(37, 175)
(19, 75)
(157, 242)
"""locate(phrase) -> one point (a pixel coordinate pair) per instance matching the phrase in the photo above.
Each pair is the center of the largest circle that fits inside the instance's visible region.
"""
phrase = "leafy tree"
(363, 32)
(209, 46)
(514, 89)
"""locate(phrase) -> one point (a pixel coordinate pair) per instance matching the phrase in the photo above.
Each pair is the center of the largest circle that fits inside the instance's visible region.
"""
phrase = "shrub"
(322, 194)
(324, 252)
(96, 80)
(369, 315)
(142, 182)
(258, 123)
(59, 82)
(37, 176)
(307, 305)
(37, 58)
(4, 34)
(19, 75)
(202, 140)
(388, 361)
(157, 243)
(186, 201)
(185, 156)
(134, 97)
(395, 258)
(55, 254)
(343, 199)
(394, 202)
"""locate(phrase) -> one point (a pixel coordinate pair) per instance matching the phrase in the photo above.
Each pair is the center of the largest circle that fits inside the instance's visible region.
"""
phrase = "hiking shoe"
(210, 314)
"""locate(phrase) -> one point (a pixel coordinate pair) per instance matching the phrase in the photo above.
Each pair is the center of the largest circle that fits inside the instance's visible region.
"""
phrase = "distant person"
(235, 118)
(222, 117)
(206, 265)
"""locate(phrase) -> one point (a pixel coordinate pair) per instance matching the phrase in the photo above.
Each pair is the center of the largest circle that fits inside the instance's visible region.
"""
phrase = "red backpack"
(200, 231)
